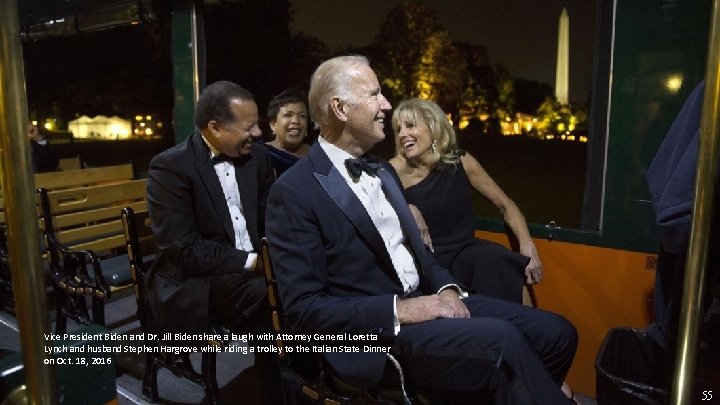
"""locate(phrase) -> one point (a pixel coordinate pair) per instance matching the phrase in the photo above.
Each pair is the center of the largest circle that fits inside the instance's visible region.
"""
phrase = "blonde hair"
(333, 78)
(443, 134)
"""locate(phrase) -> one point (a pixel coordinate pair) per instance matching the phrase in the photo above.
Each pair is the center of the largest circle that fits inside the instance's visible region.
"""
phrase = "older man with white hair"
(348, 257)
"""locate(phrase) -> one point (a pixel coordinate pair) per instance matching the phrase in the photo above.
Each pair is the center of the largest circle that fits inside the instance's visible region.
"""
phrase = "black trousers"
(669, 277)
(239, 302)
(522, 353)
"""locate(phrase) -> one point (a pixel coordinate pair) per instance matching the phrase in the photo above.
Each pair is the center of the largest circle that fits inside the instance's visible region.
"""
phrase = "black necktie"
(362, 164)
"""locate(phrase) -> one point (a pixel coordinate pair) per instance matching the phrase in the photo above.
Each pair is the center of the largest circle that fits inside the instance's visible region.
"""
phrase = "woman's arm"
(398, 164)
(484, 184)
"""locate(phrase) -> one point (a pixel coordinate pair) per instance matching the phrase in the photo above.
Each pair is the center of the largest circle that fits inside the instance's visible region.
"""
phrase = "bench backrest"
(88, 218)
(71, 163)
(77, 178)
(83, 177)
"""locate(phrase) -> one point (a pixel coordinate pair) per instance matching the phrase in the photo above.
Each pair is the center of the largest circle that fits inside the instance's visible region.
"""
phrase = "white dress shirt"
(369, 191)
(226, 174)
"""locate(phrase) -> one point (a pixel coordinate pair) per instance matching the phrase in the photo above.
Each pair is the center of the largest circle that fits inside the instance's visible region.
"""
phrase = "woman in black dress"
(437, 177)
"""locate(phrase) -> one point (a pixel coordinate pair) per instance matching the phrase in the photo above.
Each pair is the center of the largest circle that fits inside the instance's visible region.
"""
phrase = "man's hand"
(420, 220)
(445, 305)
(451, 298)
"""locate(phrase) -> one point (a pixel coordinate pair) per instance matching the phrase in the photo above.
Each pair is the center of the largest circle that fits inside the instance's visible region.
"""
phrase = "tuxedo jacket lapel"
(210, 179)
(407, 222)
(338, 190)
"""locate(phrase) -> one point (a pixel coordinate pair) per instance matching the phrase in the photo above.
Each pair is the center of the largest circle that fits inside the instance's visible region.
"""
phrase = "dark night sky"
(519, 34)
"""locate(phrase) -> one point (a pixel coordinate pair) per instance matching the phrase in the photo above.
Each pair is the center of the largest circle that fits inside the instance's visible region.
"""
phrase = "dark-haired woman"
(288, 118)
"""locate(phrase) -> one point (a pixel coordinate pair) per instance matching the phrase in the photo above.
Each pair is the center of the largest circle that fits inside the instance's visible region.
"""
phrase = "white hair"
(333, 79)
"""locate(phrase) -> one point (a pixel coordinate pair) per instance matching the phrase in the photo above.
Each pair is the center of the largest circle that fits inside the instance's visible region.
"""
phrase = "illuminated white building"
(100, 127)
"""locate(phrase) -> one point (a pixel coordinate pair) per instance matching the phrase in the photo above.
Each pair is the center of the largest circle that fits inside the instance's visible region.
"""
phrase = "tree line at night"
(127, 71)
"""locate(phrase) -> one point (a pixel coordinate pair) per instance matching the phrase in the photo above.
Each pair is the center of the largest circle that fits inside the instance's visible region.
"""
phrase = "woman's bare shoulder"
(398, 162)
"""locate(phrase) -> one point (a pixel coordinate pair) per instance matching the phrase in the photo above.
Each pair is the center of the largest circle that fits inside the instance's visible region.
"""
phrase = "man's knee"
(256, 288)
(243, 292)
(563, 331)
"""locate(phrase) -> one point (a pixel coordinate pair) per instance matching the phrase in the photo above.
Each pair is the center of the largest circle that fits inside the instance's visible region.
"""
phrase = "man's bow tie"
(357, 166)
(225, 158)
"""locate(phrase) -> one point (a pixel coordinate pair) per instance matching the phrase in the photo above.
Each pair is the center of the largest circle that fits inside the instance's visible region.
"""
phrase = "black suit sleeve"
(176, 212)
(44, 158)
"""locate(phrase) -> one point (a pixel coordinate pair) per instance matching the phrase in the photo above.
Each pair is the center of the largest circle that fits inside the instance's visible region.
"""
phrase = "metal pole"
(707, 176)
(196, 52)
(24, 253)
(188, 64)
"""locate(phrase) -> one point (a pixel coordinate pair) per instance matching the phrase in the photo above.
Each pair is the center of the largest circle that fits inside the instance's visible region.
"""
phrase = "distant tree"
(440, 74)
(492, 86)
(414, 56)
(530, 94)
(488, 88)
(399, 43)
(504, 105)
(557, 118)
(473, 102)
(304, 55)
(581, 116)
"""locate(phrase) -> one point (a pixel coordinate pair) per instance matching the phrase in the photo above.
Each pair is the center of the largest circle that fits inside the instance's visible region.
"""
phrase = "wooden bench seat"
(86, 245)
(54, 181)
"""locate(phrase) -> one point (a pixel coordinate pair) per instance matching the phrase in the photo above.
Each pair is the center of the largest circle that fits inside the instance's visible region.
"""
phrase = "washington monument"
(562, 72)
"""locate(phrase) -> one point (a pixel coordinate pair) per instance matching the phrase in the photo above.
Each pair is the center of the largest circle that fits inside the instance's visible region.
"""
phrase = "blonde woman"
(438, 178)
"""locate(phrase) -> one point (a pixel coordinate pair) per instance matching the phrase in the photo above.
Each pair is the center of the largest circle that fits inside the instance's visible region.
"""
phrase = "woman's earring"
(434, 146)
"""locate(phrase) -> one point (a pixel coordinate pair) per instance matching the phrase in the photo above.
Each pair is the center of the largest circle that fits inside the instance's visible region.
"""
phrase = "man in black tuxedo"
(206, 199)
(43, 156)
(348, 257)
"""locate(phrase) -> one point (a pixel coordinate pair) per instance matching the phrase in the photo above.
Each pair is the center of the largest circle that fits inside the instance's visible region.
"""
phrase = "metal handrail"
(707, 177)
(27, 274)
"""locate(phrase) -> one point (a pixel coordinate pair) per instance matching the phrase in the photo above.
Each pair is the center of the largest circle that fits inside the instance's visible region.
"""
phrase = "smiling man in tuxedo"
(348, 257)
(206, 198)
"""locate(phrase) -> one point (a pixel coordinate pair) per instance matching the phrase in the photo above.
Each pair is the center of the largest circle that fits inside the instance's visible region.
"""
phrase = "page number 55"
(707, 395)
